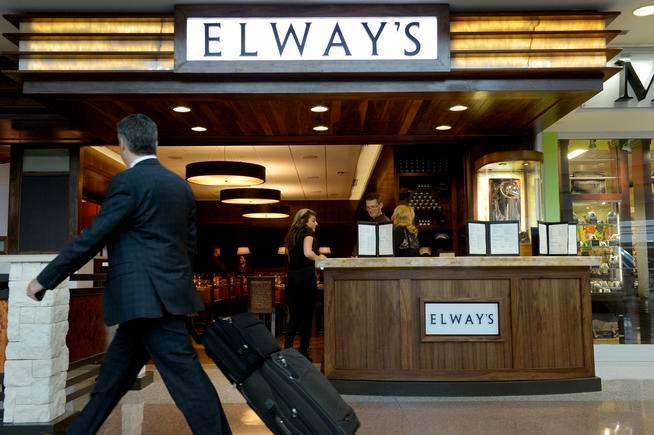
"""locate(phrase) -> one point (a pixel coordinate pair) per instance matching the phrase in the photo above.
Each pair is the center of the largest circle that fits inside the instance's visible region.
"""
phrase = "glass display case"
(598, 234)
(508, 187)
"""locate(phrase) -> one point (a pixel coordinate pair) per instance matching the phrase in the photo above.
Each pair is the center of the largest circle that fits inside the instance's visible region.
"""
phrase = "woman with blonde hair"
(301, 286)
(405, 234)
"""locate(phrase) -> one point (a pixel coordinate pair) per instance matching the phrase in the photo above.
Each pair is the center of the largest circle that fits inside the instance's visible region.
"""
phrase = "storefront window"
(609, 197)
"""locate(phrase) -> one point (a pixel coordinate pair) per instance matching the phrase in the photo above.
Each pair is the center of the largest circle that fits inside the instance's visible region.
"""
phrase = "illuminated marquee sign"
(412, 38)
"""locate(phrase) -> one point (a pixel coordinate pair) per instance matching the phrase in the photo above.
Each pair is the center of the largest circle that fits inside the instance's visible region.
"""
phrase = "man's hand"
(35, 290)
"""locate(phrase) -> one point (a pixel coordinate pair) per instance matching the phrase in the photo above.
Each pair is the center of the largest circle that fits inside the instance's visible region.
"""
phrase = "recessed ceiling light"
(443, 127)
(321, 128)
(645, 11)
(198, 128)
(319, 109)
(458, 108)
(525, 164)
(182, 109)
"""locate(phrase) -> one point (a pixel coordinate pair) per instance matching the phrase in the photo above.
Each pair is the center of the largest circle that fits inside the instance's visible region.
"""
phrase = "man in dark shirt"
(374, 206)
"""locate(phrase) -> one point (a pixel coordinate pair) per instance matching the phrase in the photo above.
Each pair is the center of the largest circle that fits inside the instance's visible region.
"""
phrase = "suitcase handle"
(272, 408)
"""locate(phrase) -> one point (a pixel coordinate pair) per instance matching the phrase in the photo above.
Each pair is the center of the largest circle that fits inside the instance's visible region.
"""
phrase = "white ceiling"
(306, 172)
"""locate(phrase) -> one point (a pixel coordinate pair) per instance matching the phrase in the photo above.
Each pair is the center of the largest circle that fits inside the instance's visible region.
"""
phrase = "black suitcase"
(292, 397)
(238, 344)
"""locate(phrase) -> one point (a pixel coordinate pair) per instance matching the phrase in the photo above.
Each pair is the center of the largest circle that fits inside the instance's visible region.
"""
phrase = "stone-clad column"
(36, 357)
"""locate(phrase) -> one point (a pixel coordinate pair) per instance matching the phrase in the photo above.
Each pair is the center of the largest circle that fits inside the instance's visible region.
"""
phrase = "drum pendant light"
(250, 196)
(266, 211)
(225, 173)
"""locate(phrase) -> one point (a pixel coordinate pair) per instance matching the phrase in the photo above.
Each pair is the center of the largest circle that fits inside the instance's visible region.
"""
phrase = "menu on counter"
(557, 238)
(366, 239)
(572, 239)
(493, 238)
(477, 238)
(374, 240)
(504, 238)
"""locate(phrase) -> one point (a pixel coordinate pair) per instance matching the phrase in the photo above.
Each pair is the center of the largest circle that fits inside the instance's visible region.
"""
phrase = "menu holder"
(557, 238)
(261, 297)
(493, 238)
(374, 239)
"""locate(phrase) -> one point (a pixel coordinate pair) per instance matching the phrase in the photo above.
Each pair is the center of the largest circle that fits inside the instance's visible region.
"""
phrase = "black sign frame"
(441, 11)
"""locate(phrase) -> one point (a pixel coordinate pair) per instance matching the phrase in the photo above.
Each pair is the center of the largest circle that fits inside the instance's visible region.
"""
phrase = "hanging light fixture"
(250, 196)
(225, 173)
(266, 211)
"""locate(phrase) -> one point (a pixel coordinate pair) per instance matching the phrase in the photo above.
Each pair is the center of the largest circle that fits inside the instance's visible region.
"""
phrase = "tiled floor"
(625, 406)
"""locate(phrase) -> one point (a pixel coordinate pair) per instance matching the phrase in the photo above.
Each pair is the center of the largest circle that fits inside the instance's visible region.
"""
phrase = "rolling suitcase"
(238, 344)
(292, 397)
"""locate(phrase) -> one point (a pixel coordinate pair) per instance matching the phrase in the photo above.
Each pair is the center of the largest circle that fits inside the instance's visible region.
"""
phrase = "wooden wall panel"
(86, 328)
(547, 326)
(367, 321)
(4, 307)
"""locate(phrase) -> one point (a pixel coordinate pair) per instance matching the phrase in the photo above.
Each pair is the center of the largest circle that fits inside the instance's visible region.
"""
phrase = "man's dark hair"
(139, 133)
(374, 196)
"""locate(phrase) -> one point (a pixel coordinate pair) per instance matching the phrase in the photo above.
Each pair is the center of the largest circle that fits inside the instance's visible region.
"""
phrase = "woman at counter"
(301, 286)
(405, 234)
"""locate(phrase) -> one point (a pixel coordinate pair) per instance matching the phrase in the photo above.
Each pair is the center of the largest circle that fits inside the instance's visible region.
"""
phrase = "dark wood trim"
(454, 389)
(588, 14)
(93, 359)
(74, 192)
(89, 54)
(596, 197)
(16, 19)
(503, 156)
(15, 182)
(90, 291)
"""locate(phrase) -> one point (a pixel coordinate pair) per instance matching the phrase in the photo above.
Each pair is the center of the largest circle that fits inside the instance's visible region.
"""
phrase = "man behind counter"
(374, 206)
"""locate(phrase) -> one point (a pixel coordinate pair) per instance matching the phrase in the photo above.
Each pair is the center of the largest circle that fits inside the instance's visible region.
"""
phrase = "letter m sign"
(629, 77)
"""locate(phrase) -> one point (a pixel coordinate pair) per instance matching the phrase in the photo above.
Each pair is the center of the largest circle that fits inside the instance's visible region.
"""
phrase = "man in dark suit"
(148, 225)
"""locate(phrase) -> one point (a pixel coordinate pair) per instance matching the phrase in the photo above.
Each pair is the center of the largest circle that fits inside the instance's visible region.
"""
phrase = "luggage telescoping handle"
(272, 408)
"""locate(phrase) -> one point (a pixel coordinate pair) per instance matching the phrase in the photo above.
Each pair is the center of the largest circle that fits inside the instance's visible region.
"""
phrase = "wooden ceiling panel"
(352, 118)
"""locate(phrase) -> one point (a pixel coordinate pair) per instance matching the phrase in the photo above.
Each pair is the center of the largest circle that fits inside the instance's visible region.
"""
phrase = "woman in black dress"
(301, 283)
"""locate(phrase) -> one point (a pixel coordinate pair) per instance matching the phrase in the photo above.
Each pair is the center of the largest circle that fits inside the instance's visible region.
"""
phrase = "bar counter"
(376, 341)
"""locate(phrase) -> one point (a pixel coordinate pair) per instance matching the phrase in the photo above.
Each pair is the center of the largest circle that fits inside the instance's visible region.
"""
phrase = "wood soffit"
(260, 109)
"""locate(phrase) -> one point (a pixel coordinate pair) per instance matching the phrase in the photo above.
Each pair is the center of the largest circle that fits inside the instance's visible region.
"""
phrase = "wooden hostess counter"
(375, 341)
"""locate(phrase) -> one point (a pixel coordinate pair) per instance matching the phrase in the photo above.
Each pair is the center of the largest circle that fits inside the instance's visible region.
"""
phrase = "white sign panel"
(620, 91)
(311, 38)
(474, 318)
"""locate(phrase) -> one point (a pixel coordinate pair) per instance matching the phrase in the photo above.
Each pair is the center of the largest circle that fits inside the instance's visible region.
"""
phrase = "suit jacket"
(148, 225)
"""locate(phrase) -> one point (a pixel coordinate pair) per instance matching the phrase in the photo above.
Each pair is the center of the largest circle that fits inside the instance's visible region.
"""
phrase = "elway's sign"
(213, 40)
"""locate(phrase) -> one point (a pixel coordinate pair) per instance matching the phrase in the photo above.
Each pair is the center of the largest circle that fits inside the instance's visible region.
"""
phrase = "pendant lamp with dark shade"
(266, 211)
(251, 195)
(225, 173)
